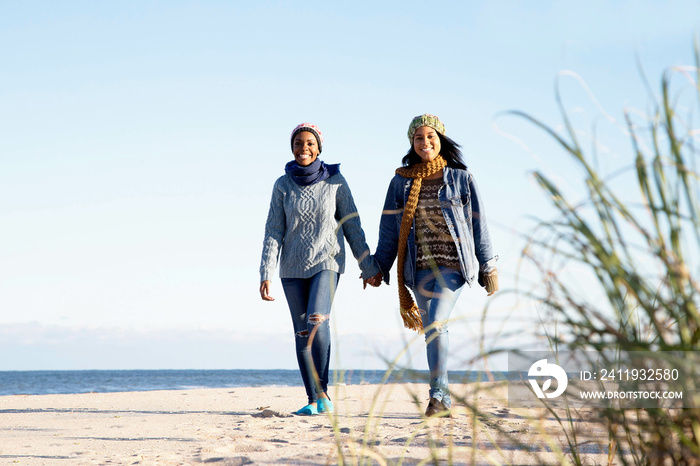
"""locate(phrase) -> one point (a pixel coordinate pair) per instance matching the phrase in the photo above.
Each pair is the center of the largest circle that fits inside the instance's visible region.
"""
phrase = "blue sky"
(139, 143)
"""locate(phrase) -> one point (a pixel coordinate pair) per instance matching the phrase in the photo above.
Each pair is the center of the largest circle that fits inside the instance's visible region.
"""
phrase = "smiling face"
(305, 148)
(426, 143)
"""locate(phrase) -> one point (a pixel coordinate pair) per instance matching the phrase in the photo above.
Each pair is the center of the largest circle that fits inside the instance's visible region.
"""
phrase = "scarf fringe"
(412, 319)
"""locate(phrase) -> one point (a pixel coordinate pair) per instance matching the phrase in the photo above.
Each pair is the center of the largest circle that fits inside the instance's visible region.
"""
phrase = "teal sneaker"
(308, 410)
(324, 405)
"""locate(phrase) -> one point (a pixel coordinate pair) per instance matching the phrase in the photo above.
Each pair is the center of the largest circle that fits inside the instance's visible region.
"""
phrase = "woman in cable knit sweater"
(311, 211)
(433, 220)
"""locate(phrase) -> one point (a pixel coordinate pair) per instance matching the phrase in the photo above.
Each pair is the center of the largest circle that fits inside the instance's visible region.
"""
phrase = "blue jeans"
(310, 301)
(436, 294)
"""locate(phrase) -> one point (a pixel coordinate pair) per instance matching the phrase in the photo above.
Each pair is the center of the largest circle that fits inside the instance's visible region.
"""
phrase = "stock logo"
(543, 369)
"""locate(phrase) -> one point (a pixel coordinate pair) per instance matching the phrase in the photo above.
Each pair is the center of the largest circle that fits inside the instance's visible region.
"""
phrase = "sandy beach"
(378, 424)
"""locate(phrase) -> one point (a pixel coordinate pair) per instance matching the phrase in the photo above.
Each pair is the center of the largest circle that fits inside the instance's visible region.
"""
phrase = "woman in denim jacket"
(433, 220)
(311, 211)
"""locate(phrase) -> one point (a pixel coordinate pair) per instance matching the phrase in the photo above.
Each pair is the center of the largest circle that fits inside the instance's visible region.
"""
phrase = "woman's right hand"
(374, 281)
(265, 290)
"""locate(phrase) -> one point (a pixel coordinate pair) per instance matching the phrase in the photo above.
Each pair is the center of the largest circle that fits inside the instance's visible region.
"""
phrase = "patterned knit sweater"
(436, 247)
(305, 228)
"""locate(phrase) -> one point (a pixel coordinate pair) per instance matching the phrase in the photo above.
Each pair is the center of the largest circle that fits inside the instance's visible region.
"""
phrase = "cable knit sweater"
(305, 228)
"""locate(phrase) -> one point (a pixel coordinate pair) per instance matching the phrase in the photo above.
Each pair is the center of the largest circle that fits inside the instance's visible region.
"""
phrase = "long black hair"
(448, 149)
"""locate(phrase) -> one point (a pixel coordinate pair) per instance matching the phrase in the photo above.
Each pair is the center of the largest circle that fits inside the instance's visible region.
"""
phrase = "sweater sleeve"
(349, 218)
(275, 228)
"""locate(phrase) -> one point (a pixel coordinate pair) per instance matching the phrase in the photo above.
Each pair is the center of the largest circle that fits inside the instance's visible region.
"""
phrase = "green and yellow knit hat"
(425, 120)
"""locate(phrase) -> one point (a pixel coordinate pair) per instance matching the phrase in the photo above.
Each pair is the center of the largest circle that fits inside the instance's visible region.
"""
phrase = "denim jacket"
(464, 215)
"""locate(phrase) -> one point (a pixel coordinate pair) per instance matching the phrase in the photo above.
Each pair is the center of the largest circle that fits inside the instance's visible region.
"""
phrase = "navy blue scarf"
(313, 173)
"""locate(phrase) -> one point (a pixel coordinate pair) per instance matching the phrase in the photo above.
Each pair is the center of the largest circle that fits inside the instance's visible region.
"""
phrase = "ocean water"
(104, 381)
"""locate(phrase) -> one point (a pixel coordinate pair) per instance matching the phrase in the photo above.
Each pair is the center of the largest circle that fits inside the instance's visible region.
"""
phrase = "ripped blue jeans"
(436, 294)
(310, 301)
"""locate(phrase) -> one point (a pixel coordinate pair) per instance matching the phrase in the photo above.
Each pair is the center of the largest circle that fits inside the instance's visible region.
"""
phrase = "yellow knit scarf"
(409, 311)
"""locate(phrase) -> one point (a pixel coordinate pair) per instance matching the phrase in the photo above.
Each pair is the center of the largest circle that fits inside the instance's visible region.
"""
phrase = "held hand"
(373, 281)
(265, 290)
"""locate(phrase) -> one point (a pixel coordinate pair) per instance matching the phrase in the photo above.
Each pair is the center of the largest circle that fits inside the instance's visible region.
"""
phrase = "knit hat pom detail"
(311, 128)
(425, 120)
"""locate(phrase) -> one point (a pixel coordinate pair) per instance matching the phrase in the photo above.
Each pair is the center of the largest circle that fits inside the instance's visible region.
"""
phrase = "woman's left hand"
(489, 281)
(374, 281)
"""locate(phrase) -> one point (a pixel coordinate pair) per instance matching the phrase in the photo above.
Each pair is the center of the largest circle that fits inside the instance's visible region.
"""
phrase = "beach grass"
(641, 254)
(639, 249)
